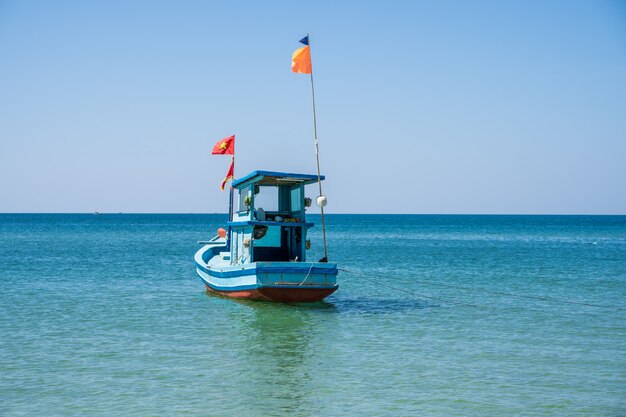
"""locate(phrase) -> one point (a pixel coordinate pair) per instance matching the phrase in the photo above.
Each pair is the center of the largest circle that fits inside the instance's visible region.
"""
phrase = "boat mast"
(231, 185)
(230, 210)
(317, 157)
(232, 200)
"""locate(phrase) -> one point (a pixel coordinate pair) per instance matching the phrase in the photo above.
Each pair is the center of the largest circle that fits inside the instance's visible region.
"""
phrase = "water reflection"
(281, 354)
(381, 305)
(278, 353)
(343, 305)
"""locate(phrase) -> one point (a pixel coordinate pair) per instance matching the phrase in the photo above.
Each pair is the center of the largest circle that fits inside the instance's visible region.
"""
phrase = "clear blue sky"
(423, 107)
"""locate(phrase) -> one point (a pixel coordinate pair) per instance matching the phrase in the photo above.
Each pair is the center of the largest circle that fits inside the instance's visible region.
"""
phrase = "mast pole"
(317, 154)
(231, 211)
(229, 244)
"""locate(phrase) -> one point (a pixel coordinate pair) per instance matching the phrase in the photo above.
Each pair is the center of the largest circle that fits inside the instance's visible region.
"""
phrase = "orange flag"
(301, 60)
(229, 174)
(225, 146)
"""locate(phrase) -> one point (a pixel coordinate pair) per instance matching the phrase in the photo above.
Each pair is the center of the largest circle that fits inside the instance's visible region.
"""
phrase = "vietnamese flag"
(301, 58)
(230, 173)
(225, 146)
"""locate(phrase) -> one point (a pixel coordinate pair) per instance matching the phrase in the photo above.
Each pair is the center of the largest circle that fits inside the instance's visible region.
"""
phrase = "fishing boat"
(262, 253)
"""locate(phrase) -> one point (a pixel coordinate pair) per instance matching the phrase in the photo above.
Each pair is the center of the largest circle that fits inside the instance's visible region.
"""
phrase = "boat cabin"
(268, 217)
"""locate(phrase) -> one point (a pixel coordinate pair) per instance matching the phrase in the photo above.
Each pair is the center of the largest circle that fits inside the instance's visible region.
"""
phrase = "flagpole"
(230, 215)
(232, 191)
(232, 201)
(317, 155)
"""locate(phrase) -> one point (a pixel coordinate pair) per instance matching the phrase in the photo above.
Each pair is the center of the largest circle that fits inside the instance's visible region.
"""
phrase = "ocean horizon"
(436, 314)
(317, 214)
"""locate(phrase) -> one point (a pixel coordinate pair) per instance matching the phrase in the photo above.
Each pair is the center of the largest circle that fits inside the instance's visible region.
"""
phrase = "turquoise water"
(487, 316)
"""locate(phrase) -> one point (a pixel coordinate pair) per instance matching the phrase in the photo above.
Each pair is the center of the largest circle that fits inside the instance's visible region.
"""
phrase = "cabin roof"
(275, 178)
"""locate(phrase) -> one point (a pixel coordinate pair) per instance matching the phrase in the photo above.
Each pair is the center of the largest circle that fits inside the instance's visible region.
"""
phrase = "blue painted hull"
(276, 281)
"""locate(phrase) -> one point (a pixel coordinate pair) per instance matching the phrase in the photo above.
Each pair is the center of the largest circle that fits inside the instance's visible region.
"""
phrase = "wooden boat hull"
(272, 281)
(286, 295)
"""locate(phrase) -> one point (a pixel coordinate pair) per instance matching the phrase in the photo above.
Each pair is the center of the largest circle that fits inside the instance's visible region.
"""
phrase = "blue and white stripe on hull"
(280, 281)
(253, 276)
(245, 282)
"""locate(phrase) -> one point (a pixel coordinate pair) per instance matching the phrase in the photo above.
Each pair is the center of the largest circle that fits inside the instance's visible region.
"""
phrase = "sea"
(435, 315)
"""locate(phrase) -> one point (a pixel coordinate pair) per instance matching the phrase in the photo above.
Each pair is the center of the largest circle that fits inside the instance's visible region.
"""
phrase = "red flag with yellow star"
(225, 146)
(229, 174)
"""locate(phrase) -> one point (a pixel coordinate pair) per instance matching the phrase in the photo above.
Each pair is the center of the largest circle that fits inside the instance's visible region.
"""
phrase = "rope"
(531, 297)
(443, 300)
(307, 275)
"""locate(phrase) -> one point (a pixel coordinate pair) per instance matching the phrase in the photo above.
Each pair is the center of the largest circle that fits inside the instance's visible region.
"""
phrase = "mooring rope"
(307, 275)
(443, 300)
(503, 293)
(531, 297)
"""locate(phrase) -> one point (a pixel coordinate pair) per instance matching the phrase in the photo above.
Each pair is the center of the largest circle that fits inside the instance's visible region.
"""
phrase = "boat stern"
(296, 281)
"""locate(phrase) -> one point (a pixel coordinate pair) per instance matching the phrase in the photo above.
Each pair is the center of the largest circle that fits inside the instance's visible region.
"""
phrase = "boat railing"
(269, 223)
(217, 240)
(211, 248)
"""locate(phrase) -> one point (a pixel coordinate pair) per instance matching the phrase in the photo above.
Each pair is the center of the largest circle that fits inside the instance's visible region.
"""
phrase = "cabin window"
(235, 251)
(271, 239)
(296, 199)
(266, 198)
(243, 193)
(273, 246)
